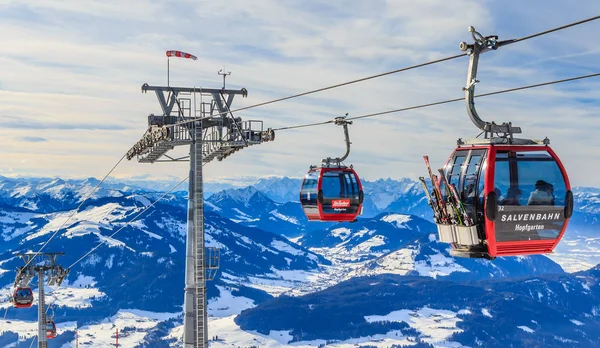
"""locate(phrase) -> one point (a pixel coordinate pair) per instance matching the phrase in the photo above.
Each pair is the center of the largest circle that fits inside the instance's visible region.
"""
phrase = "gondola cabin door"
(519, 198)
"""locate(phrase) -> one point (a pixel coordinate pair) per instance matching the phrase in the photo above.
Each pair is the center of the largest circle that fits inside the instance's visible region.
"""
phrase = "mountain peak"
(241, 196)
(280, 189)
(91, 181)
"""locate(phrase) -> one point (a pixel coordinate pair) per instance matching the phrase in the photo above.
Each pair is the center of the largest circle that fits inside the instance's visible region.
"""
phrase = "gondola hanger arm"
(481, 45)
(340, 121)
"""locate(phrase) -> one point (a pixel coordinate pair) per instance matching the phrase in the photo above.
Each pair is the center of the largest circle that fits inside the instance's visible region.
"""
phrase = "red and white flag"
(181, 54)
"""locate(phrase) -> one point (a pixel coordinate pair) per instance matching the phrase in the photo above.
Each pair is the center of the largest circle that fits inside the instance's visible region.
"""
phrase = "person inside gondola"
(512, 196)
(542, 195)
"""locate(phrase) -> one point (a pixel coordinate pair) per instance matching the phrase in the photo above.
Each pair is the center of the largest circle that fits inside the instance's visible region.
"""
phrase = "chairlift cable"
(524, 38)
(89, 194)
(557, 29)
(420, 65)
(450, 100)
(4, 319)
(129, 222)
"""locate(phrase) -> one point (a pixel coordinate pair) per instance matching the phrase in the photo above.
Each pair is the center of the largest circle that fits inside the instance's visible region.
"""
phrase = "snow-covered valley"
(134, 282)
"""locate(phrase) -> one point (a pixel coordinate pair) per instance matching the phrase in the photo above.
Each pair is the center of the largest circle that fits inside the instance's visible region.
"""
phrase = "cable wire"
(524, 38)
(74, 211)
(449, 101)
(557, 29)
(304, 125)
(4, 319)
(129, 222)
(420, 65)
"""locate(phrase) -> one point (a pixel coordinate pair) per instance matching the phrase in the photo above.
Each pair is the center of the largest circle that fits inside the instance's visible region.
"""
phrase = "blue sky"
(70, 101)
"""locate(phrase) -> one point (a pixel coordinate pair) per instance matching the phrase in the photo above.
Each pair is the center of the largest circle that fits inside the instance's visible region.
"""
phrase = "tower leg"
(42, 340)
(189, 319)
(195, 324)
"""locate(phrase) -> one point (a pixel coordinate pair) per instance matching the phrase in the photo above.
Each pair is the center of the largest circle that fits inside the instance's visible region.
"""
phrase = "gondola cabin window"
(455, 171)
(470, 184)
(332, 185)
(308, 193)
(531, 198)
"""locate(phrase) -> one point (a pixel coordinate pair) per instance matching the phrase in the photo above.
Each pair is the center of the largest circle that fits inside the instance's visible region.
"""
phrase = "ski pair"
(437, 201)
(437, 214)
(457, 204)
(460, 216)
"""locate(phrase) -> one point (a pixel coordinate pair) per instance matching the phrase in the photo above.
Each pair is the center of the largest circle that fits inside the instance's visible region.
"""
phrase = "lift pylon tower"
(40, 264)
(212, 132)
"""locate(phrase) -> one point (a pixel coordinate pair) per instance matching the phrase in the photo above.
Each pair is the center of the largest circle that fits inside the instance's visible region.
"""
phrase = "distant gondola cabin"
(331, 194)
(50, 329)
(22, 298)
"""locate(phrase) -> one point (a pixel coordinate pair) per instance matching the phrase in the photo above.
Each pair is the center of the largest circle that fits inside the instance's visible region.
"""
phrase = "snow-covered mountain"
(138, 273)
(41, 194)
(389, 309)
(280, 189)
(168, 183)
(401, 244)
(251, 207)
(135, 281)
(367, 238)
(390, 195)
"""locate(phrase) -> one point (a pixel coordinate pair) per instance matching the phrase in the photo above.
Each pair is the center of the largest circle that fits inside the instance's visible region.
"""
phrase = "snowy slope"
(148, 254)
(253, 208)
(391, 307)
(142, 267)
(368, 238)
(280, 189)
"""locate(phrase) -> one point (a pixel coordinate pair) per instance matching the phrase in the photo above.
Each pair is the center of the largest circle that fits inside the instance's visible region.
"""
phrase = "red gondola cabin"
(50, 329)
(331, 194)
(508, 196)
(22, 298)
(518, 196)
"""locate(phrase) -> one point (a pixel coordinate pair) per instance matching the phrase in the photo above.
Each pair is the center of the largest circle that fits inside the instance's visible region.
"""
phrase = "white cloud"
(81, 66)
